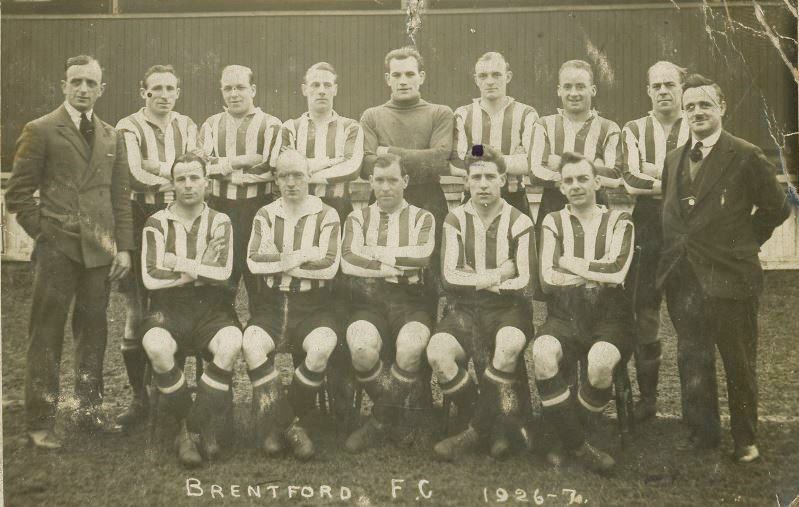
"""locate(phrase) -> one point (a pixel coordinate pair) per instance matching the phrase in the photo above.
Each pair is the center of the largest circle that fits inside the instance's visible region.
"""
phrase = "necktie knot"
(696, 152)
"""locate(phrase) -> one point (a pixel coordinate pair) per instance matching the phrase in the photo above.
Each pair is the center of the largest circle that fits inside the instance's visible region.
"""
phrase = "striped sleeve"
(355, 261)
(524, 256)
(635, 180)
(552, 276)
(613, 266)
(460, 142)
(518, 161)
(140, 180)
(207, 143)
(154, 274)
(612, 153)
(263, 255)
(262, 172)
(222, 268)
(326, 266)
(455, 273)
(539, 153)
(350, 168)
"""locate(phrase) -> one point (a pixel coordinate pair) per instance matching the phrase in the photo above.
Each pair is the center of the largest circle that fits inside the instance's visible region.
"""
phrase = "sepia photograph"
(399, 252)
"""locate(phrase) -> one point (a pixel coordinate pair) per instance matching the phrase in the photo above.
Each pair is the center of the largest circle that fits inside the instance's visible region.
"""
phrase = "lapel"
(673, 170)
(714, 166)
(68, 130)
(100, 148)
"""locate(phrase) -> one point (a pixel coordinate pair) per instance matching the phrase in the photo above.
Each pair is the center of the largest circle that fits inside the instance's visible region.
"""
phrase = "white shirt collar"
(171, 215)
(307, 116)
(510, 101)
(469, 207)
(398, 210)
(74, 114)
(311, 205)
(709, 141)
(140, 114)
(602, 209)
(591, 115)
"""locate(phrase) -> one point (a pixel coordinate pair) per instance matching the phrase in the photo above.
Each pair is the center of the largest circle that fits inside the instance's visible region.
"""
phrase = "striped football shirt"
(275, 233)
(146, 141)
(340, 137)
(510, 131)
(165, 233)
(405, 236)
(222, 137)
(644, 140)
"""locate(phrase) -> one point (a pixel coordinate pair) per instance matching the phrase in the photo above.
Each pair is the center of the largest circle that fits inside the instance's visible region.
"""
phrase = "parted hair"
(158, 69)
(485, 153)
(698, 81)
(401, 54)
(571, 157)
(188, 158)
(389, 159)
(577, 64)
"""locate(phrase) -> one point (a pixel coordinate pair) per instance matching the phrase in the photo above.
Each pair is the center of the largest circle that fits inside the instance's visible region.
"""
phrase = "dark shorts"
(389, 306)
(580, 317)
(132, 283)
(642, 292)
(289, 317)
(474, 322)
(192, 315)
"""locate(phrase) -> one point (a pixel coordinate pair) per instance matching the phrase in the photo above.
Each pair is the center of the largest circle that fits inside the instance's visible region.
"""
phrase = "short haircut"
(241, 68)
(389, 159)
(321, 66)
(485, 153)
(577, 64)
(401, 54)
(663, 64)
(571, 157)
(188, 158)
(289, 157)
(158, 69)
(81, 60)
(493, 55)
(698, 81)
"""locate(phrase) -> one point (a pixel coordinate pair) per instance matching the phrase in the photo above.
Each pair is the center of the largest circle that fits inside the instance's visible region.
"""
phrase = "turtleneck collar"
(406, 104)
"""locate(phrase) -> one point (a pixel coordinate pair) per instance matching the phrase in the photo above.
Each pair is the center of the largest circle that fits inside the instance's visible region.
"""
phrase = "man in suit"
(83, 233)
(710, 268)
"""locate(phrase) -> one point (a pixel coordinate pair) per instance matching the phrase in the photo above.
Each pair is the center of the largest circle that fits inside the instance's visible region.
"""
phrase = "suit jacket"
(720, 235)
(84, 197)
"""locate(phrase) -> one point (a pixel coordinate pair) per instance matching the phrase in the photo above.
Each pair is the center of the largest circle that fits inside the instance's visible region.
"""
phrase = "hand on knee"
(602, 359)
(160, 348)
(256, 346)
(547, 353)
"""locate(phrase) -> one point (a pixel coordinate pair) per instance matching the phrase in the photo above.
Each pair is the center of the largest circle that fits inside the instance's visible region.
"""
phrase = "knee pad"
(158, 342)
(510, 343)
(602, 359)
(256, 342)
(547, 353)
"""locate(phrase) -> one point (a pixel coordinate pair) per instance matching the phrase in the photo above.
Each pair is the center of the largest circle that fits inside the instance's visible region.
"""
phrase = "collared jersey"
(645, 141)
(604, 246)
(338, 138)
(165, 233)
(597, 139)
(275, 233)
(144, 140)
(407, 235)
(510, 131)
(471, 249)
(257, 134)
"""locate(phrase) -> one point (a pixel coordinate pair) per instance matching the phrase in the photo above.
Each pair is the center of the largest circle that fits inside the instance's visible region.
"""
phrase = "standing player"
(645, 143)
(586, 252)
(187, 256)
(332, 144)
(498, 121)
(155, 136)
(488, 265)
(294, 246)
(241, 143)
(574, 128)
(385, 247)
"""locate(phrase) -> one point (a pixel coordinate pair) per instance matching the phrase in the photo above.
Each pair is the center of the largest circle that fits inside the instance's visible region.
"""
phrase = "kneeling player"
(488, 265)
(585, 255)
(294, 246)
(187, 256)
(386, 245)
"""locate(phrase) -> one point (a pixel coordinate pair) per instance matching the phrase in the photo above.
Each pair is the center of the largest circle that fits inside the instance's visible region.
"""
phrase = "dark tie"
(86, 128)
(696, 152)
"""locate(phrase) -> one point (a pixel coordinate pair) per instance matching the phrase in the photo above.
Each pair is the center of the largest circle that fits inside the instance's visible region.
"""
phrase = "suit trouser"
(241, 213)
(57, 279)
(731, 324)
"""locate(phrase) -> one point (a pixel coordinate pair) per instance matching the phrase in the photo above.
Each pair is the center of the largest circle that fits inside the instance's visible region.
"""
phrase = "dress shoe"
(365, 436)
(746, 454)
(186, 448)
(452, 447)
(594, 459)
(273, 444)
(645, 409)
(44, 439)
(299, 441)
(90, 421)
(135, 414)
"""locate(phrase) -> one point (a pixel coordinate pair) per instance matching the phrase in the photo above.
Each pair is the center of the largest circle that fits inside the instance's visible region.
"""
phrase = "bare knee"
(226, 346)
(412, 341)
(319, 346)
(160, 348)
(547, 353)
(256, 346)
(510, 343)
(364, 343)
(442, 353)
(602, 359)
